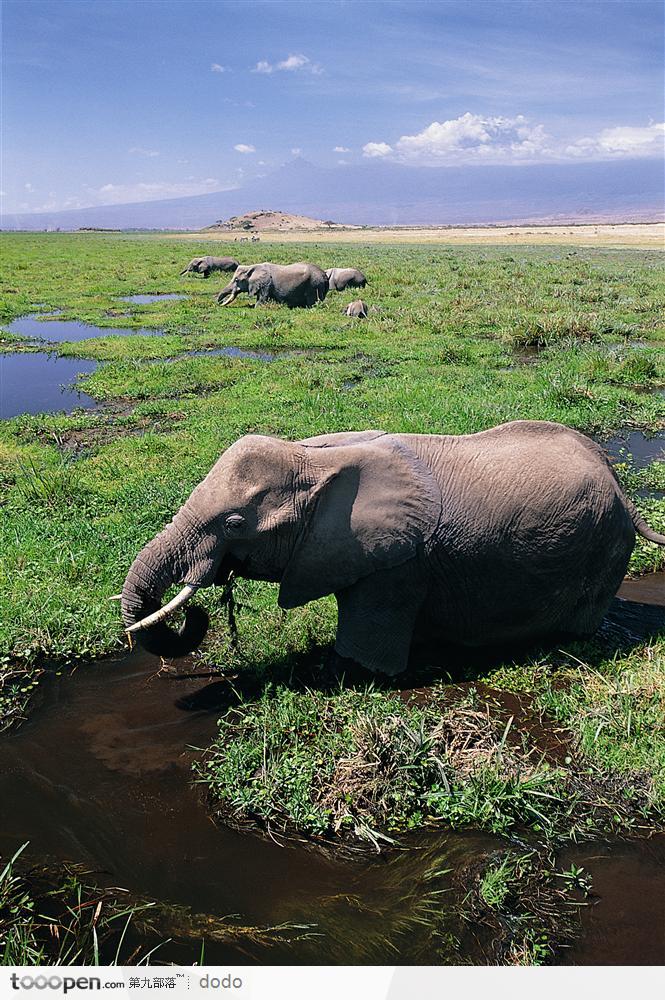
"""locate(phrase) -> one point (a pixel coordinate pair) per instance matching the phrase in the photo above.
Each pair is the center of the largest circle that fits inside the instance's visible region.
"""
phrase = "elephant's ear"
(372, 504)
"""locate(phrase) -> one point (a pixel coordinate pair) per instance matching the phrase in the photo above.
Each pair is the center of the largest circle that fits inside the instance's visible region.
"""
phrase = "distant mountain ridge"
(379, 194)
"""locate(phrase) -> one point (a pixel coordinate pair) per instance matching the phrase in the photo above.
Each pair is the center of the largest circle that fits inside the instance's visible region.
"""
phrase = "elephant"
(206, 265)
(340, 278)
(356, 309)
(511, 534)
(295, 284)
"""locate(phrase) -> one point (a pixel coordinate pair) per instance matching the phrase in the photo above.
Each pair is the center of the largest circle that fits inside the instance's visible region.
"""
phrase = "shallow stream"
(101, 775)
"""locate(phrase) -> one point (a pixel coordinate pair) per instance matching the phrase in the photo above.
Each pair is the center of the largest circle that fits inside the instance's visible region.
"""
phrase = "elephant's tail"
(641, 526)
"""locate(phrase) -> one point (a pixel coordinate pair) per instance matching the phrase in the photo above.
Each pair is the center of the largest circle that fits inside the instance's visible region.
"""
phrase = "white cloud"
(141, 151)
(341, 149)
(621, 141)
(28, 187)
(496, 139)
(244, 147)
(372, 149)
(116, 194)
(474, 138)
(218, 68)
(296, 151)
(292, 63)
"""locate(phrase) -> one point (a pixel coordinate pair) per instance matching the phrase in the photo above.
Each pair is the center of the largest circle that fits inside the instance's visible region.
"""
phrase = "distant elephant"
(345, 277)
(357, 309)
(206, 265)
(510, 534)
(294, 284)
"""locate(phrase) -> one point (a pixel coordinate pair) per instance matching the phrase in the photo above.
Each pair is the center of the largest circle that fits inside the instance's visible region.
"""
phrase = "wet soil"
(81, 441)
(145, 299)
(41, 383)
(232, 352)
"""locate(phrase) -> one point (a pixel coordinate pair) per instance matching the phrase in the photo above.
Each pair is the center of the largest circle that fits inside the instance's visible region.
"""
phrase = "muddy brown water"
(625, 924)
(647, 589)
(100, 774)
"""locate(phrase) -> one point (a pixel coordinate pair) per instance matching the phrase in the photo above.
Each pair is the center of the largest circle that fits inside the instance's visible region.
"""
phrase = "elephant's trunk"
(231, 293)
(182, 553)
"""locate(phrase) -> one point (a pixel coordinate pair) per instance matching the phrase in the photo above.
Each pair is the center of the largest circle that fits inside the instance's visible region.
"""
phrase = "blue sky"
(107, 102)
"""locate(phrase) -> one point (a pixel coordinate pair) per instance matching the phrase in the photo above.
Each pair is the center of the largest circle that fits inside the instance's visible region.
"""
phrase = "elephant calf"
(206, 265)
(340, 278)
(294, 284)
(356, 309)
(511, 534)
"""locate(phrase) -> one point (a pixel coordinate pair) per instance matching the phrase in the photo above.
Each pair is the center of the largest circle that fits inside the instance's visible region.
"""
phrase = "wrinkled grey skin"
(507, 535)
(206, 265)
(357, 309)
(345, 277)
(293, 284)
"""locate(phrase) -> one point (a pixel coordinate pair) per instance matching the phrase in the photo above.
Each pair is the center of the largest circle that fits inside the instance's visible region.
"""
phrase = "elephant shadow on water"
(627, 625)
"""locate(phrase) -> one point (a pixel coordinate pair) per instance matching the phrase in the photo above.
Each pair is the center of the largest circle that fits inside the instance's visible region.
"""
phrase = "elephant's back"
(532, 479)
(533, 526)
(299, 272)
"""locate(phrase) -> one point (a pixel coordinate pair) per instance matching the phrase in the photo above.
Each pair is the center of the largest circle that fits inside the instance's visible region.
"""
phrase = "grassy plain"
(639, 235)
(464, 338)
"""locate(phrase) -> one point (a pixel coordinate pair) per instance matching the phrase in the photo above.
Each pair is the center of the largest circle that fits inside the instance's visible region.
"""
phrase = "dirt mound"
(268, 221)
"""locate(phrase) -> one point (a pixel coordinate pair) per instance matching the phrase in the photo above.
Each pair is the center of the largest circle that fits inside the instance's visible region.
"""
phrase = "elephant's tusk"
(228, 299)
(116, 597)
(185, 594)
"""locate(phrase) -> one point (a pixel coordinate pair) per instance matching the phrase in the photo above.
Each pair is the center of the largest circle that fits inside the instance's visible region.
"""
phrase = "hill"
(265, 221)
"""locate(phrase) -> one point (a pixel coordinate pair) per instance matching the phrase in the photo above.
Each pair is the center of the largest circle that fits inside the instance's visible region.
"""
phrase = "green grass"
(436, 358)
(444, 353)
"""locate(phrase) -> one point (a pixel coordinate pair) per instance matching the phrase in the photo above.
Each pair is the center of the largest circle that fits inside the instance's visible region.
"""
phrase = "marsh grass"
(519, 908)
(374, 766)
(60, 916)
(54, 918)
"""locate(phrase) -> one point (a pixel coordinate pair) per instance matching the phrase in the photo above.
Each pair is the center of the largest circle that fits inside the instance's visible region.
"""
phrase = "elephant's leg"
(377, 616)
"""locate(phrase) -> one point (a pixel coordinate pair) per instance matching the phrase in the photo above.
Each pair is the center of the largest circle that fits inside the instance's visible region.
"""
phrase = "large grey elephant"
(294, 284)
(340, 278)
(510, 534)
(206, 265)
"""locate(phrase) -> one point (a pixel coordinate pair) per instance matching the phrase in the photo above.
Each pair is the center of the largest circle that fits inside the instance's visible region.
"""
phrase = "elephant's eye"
(234, 524)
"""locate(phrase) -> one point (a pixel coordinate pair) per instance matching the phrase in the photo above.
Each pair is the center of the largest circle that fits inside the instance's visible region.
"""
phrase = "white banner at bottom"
(328, 982)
